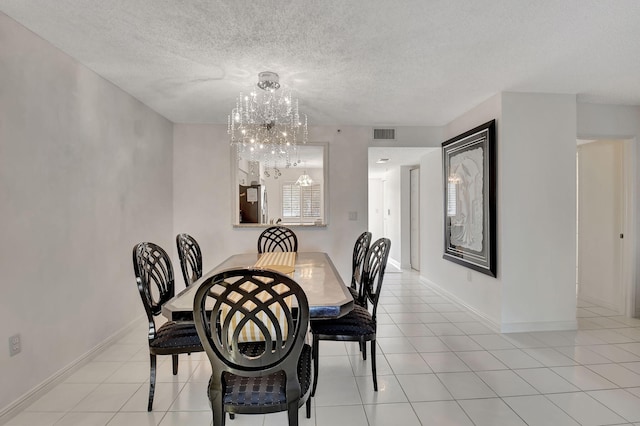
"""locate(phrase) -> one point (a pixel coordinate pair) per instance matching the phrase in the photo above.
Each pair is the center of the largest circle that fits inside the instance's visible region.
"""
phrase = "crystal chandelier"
(266, 127)
(304, 180)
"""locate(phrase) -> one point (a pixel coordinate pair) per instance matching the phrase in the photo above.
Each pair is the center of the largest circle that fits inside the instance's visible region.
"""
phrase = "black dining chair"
(254, 335)
(154, 278)
(277, 238)
(357, 265)
(358, 325)
(190, 258)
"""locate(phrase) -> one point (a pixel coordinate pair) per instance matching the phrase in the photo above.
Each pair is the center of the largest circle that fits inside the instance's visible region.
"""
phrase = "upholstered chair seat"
(269, 390)
(174, 335)
(358, 322)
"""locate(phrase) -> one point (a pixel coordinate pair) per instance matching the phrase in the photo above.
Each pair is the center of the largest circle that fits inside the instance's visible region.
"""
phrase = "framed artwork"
(470, 199)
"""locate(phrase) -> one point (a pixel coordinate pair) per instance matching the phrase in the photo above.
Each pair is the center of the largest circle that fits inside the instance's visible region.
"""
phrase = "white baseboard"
(517, 327)
(489, 322)
(394, 262)
(61, 375)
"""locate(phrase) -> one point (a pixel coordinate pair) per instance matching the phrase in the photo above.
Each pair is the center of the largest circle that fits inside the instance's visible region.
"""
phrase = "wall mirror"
(264, 194)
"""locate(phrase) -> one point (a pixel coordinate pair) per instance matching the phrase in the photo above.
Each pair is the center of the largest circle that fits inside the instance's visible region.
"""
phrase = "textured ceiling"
(352, 62)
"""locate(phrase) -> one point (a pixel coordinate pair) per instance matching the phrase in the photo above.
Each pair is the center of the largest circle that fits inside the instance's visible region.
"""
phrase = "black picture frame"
(469, 174)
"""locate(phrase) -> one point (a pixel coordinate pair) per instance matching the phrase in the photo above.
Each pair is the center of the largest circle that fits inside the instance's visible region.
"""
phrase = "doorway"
(392, 213)
(604, 229)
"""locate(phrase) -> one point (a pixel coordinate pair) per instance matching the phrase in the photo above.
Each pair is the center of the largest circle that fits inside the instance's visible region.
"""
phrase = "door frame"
(630, 285)
(413, 237)
(630, 240)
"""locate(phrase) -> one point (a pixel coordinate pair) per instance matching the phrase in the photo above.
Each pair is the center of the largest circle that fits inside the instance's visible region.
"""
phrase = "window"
(301, 203)
(452, 198)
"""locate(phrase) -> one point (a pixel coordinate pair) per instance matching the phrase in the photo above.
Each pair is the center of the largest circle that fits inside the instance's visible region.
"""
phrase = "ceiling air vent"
(388, 134)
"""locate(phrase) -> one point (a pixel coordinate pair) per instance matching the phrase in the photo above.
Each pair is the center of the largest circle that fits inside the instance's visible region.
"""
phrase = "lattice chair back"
(277, 238)
(190, 258)
(374, 266)
(257, 322)
(154, 276)
(360, 250)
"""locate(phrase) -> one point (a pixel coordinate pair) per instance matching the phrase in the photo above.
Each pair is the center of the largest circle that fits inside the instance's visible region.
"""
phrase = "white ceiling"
(355, 62)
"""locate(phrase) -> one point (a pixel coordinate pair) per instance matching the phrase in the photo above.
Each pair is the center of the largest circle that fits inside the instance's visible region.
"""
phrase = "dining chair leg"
(373, 365)
(219, 416)
(309, 407)
(175, 364)
(152, 380)
(293, 413)
(314, 354)
(363, 346)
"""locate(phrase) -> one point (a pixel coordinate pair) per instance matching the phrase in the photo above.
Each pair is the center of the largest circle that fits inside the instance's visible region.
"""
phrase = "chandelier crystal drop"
(266, 126)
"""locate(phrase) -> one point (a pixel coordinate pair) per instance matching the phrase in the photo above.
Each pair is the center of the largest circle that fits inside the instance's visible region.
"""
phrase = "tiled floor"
(437, 365)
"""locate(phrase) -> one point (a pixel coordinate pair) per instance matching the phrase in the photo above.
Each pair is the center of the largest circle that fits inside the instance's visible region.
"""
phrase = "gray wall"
(85, 172)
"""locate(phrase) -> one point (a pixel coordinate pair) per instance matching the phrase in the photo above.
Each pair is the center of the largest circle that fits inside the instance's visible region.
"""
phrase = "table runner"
(283, 262)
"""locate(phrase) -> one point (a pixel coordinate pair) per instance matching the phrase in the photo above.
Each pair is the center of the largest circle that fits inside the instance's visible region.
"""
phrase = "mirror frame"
(235, 205)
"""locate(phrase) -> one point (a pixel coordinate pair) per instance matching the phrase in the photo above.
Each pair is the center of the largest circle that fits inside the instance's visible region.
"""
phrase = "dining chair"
(277, 238)
(190, 258)
(254, 335)
(357, 264)
(359, 325)
(154, 277)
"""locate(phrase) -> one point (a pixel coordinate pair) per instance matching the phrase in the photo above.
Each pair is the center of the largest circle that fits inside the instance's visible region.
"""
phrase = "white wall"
(537, 203)
(477, 291)
(376, 208)
(411, 136)
(202, 188)
(85, 173)
(535, 284)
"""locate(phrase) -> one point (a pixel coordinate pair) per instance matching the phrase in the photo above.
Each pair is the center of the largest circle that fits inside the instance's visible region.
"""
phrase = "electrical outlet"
(353, 215)
(15, 345)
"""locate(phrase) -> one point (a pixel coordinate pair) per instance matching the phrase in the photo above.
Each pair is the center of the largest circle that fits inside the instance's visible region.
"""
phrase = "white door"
(415, 218)
(600, 224)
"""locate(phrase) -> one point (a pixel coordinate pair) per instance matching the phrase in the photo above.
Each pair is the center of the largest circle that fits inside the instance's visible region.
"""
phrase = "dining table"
(326, 292)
